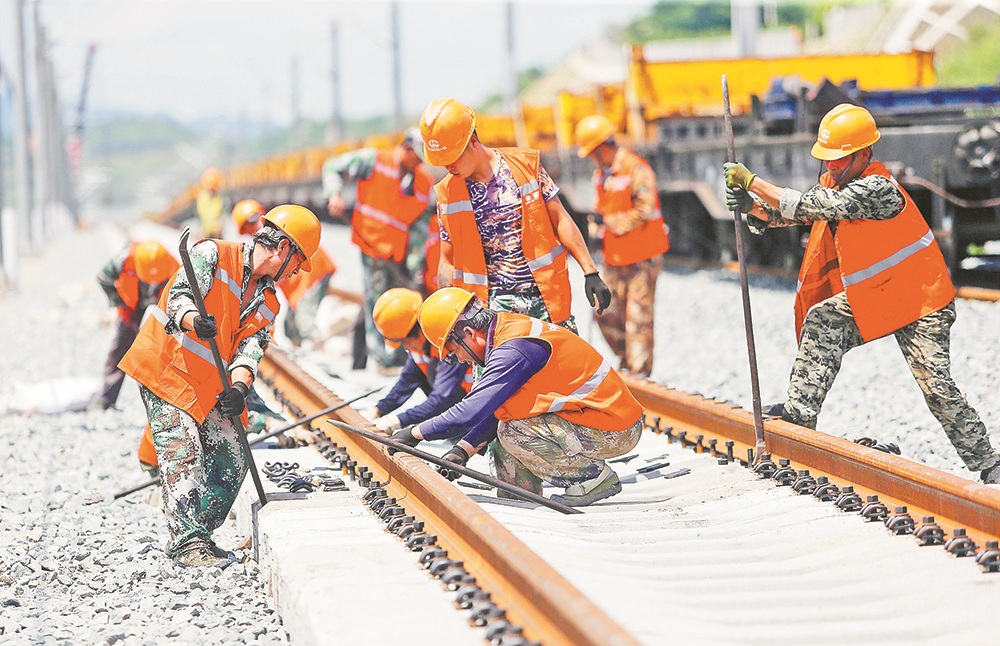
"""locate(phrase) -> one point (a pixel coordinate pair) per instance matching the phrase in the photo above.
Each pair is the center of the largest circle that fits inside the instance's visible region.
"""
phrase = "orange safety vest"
(297, 286)
(382, 215)
(432, 255)
(147, 450)
(544, 252)
(576, 383)
(179, 368)
(892, 269)
(614, 195)
(127, 285)
(423, 362)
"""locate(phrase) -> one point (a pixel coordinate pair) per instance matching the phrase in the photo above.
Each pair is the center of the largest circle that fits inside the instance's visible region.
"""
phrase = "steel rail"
(536, 597)
(953, 501)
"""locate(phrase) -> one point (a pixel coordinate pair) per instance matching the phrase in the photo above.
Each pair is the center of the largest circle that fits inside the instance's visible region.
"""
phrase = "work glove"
(204, 327)
(456, 455)
(738, 175)
(597, 292)
(738, 200)
(404, 436)
(370, 413)
(388, 423)
(232, 401)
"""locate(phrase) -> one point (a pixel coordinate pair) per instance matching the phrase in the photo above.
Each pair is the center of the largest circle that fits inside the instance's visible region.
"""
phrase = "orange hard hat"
(211, 179)
(446, 126)
(153, 263)
(440, 312)
(844, 130)
(246, 216)
(593, 131)
(395, 314)
(300, 225)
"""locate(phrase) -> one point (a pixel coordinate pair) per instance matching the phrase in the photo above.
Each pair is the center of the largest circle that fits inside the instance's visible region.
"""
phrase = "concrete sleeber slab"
(334, 572)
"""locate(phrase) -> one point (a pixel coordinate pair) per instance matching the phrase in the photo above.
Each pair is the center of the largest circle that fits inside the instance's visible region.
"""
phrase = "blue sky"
(233, 58)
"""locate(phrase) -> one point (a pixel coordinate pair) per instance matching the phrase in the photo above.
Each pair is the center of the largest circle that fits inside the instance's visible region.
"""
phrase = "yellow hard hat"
(844, 130)
(440, 312)
(395, 314)
(248, 212)
(300, 225)
(153, 263)
(446, 126)
(593, 131)
(211, 179)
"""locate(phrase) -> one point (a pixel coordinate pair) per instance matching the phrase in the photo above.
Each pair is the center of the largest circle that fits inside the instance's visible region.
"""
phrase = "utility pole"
(22, 155)
(41, 134)
(745, 25)
(337, 115)
(512, 104)
(76, 145)
(397, 81)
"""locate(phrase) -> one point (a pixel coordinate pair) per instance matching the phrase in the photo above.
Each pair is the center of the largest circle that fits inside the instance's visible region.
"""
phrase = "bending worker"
(202, 463)
(634, 239)
(132, 280)
(559, 408)
(872, 268)
(393, 190)
(504, 232)
(305, 290)
(444, 384)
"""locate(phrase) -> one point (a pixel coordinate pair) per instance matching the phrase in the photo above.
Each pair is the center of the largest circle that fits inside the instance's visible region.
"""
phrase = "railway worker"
(444, 384)
(393, 190)
(504, 232)
(634, 241)
(558, 408)
(208, 204)
(132, 281)
(304, 291)
(201, 461)
(872, 268)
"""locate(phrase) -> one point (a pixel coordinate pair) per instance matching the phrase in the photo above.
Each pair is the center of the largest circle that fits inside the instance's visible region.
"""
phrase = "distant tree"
(685, 19)
(982, 46)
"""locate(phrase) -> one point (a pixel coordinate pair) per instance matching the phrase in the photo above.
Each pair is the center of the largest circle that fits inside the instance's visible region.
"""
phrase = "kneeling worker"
(395, 316)
(562, 409)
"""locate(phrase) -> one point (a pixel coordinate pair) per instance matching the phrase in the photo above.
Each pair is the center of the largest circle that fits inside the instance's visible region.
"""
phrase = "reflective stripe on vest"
(187, 342)
(447, 208)
(893, 260)
(381, 216)
(470, 278)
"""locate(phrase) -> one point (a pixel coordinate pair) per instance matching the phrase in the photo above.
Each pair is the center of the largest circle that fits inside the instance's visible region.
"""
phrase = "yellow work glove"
(737, 175)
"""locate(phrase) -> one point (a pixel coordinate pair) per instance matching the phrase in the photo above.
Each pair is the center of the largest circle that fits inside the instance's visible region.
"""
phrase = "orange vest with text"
(614, 195)
(295, 288)
(423, 362)
(546, 256)
(382, 214)
(576, 383)
(179, 368)
(892, 270)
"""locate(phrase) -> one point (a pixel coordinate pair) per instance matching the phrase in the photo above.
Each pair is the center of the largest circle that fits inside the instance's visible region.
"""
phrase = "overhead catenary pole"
(337, 113)
(758, 419)
(22, 155)
(512, 105)
(41, 166)
(397, 75)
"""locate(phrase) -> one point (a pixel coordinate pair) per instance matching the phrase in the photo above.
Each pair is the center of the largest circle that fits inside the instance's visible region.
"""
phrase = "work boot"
(590, 491)
(991, 475)
(199, 553)
(224, 554)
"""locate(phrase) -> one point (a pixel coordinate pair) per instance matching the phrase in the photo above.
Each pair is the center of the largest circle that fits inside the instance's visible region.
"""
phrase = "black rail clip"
(959, 544)
(765, 468)
(890, 447)
(804, 484)
(825, 490)
(989, 559)
(785, 475)
(900, 522)
(929, 532)
(874, 510)
(848, 500)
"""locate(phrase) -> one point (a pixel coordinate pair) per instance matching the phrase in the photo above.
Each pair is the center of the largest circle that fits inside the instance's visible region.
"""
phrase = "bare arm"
(569, 235)
(446, 265)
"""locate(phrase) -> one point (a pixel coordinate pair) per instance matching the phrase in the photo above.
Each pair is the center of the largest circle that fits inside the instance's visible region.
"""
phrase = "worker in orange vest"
(871, 268)
(303, 291)
(189, 408)
(209, 204)
(558, 411)
(393, 191)
(132, 281)
(505, 235)
(634, 239)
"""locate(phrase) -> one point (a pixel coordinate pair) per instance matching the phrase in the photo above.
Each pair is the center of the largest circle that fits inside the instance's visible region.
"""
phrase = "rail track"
(514, 592)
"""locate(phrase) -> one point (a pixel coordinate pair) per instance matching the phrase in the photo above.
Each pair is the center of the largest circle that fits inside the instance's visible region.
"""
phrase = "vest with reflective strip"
(576, 383)
(297, 286)
(382, 216)
(127, 285)
(892, 269)
(614, 195)
(179, 368)
(544, 253)
(423, 362)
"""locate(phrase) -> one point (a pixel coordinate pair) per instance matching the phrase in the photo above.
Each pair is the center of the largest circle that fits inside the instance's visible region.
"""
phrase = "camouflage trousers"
(829, 331)
(548, 447)
(300, 323)
(114, 377)
(381, 275)
(627, 324)
(201, 469)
